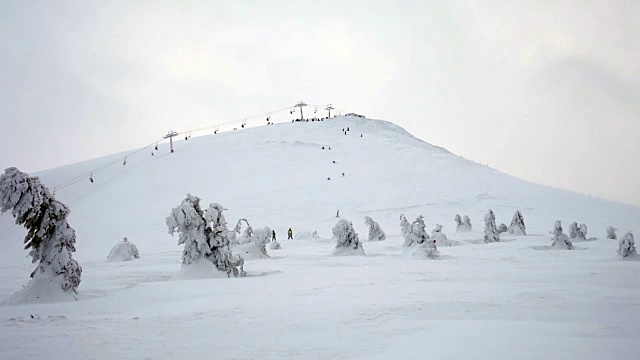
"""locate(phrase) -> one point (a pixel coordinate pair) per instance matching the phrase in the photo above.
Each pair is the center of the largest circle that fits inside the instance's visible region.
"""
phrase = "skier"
(273, 235)
(338, 213)
(289, 234)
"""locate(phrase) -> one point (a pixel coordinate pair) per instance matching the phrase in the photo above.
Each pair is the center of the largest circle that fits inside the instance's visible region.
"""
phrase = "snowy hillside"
(512, 299)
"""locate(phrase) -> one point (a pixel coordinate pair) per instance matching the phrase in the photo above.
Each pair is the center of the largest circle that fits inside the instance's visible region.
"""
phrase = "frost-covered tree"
(346, 239)
(560, 240)
(204, 235)
(459, 223)
(188, 220)
(221, 255)
(582, 232)
(611, 233)
(50, 240)
(418, 231)
(573, 230)
(405, 228)
(246, 234)
(123, 251)
(462, 224)
(467, 222)
(626, 245)
(517, 226)
(491, 233)
(375, 232)
(439, 237)
(502, 228)
(261, 238)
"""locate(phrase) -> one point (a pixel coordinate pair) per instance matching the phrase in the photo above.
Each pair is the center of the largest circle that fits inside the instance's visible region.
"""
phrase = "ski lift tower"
(329, 108)
(170, 135)
(300, 104)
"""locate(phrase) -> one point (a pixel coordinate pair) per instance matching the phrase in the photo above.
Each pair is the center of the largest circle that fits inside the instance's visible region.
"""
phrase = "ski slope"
(513, 299)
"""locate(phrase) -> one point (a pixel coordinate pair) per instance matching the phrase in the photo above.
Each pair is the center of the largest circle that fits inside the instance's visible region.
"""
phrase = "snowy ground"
(511, 300)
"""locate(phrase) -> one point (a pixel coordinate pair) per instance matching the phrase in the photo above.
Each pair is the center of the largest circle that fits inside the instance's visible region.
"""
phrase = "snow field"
(516, 298)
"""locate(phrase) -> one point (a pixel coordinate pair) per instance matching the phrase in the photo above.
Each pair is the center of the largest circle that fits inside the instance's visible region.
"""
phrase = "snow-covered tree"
(502, 228)
(573, 230)
(261, 238)
(439, 237)
(221, 255)
(188, 220)
(346, 239)
(246, 234)
(626, 245)
(405, 228)
(418, 231)
(582, 232)
(517, 224)
(50, 240)
(491, 233)
(611, 233)
(467, 222)
(560, 240)
(462, 224)
(375, 232)
(123, 251)
(458, 221)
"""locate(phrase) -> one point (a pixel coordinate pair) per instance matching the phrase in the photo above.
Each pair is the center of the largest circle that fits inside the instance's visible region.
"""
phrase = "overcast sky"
(548, 91)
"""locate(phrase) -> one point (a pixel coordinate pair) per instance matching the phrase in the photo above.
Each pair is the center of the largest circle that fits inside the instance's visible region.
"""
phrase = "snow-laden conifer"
(467, 222)
(188, 220)
(50, 240)
(582, 232)
(405, 228)
(573, 230)
(517, 226)
(459, 223)
(421, 245)
(462, 224)
(491, 233)
(246, 235)
(439, 237)
(346, 239)
(123, 251)
(261, 237)
(221, 255)
(626, 245)
(611, 233)
(375, 232)
(560, 240)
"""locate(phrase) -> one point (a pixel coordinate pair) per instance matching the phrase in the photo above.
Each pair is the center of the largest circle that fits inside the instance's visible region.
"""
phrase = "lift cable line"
(154, 145)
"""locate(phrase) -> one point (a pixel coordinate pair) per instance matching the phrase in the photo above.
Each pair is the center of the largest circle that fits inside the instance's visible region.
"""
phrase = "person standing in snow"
(289, 234)
(273, 235)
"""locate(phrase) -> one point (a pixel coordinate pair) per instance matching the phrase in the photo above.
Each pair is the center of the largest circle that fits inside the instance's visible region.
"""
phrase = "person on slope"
(273, 235)
(289, 234)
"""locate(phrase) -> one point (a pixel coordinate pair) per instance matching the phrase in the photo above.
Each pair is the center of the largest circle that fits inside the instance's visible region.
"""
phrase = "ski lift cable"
(155, 143)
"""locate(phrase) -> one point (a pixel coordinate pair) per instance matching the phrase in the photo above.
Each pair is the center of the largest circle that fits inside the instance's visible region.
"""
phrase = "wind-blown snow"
(517, 298)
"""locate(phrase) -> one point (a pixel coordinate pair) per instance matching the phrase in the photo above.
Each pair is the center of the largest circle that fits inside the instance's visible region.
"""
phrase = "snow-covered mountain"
(304, 304)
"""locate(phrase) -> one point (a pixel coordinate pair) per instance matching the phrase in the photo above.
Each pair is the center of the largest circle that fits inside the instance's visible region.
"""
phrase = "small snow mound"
(123, 251)
(274, 245)
(425, 250)
(41, 289)
(306, 236)
(199, 269)
(345, 251)
(250, 251)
